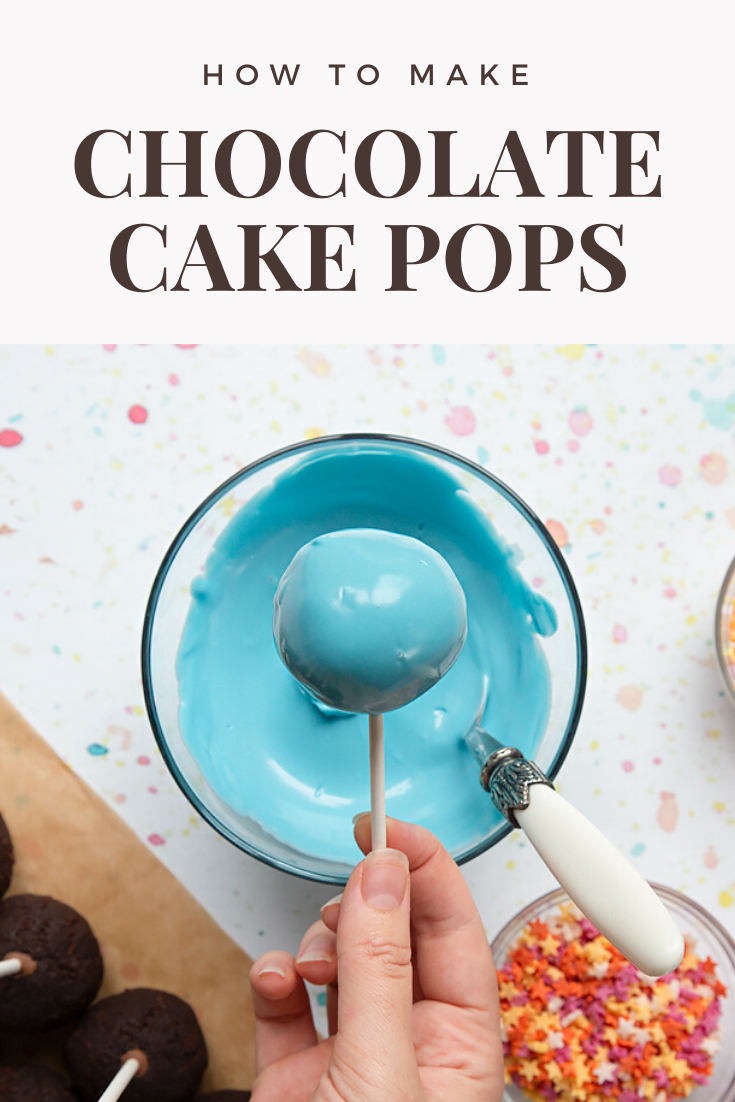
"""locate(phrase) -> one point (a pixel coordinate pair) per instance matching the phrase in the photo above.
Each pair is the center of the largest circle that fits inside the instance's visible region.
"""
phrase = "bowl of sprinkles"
(725, 630)
(581, 1024)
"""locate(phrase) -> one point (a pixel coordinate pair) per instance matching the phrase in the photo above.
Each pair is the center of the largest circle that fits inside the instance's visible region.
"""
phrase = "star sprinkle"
(581, 1024)
(604, 1072)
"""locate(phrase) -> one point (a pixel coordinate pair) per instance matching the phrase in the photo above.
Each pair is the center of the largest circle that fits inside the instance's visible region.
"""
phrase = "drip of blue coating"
(302, 773)
(368, 620)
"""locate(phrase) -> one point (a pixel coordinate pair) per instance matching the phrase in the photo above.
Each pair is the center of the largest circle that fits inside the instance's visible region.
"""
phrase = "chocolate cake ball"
(30, 1083)
(225, 1096)
(62, 964)
(7, 857)
(159, 1028)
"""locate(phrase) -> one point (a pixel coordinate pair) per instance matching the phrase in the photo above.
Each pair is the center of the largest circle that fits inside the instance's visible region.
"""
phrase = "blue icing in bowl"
(301, 774)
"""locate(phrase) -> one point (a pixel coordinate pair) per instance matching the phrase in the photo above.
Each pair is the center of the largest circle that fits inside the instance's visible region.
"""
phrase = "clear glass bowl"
(541, 565)
(702, 932)
(725, 646)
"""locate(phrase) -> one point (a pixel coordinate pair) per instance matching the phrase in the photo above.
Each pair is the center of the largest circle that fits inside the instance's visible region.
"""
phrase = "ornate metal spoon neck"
(507, 776)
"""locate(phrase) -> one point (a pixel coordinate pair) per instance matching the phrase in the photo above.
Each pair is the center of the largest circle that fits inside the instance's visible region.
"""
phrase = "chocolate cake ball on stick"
(143, 1044)
(7, 857)
(50, 963)
(30, 1083)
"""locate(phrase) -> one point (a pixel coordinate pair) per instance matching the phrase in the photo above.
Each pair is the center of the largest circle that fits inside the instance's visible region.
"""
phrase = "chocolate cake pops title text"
(328, 167)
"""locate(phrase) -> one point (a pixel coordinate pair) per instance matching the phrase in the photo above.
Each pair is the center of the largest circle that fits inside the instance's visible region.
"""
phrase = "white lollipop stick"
(10, 967)
(123, 1079)
(377, 783)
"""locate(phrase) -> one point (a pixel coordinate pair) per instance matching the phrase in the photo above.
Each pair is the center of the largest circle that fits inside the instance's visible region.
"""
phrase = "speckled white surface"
(626, 452)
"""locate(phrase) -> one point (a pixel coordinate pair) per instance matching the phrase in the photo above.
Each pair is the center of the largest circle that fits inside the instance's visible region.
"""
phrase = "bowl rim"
(304, 446)
(721, 659)
(666, 894)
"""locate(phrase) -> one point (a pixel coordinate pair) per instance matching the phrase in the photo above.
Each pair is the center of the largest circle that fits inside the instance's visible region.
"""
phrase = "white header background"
(75, 68)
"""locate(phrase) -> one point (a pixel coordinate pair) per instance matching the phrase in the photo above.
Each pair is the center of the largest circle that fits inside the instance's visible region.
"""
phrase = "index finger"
(452, 956)
(283, 1021)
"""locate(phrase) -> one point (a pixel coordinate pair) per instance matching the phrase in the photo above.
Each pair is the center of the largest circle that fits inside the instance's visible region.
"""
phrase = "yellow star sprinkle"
(677, 1069)
(529, 1069)
(595, 950)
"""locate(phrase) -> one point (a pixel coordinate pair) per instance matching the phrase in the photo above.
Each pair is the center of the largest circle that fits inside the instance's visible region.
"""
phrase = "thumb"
(373, 1055)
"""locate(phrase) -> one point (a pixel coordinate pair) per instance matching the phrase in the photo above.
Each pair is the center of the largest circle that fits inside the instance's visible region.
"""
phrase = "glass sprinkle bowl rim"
(724, 595)
(559, 895)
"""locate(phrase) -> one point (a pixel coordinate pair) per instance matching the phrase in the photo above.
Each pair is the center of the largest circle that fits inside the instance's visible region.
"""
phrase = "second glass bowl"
(704, 936)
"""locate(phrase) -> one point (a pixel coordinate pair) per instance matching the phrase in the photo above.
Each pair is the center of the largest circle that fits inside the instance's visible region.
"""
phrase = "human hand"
(416, 1018)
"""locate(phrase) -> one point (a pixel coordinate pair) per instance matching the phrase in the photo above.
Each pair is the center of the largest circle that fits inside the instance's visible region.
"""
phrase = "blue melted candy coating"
(368, 620)
(301, 774)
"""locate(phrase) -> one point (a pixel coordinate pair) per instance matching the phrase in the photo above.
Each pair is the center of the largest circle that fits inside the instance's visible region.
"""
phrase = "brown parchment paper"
(153, 933)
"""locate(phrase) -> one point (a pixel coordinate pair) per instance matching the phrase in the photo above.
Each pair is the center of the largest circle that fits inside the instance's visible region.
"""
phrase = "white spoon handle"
(604, 885)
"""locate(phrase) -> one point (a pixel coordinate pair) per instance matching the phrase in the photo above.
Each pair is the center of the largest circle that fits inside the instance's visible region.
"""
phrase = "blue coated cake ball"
(368, 620)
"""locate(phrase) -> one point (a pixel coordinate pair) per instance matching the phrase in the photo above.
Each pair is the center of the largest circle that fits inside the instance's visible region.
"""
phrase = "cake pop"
(7, 857)
(144, 1043)
(31, 1083)
(368, 620)
(56, 962)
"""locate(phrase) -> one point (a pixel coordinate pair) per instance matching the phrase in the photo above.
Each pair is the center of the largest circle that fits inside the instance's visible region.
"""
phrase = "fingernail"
(360, 815)
(271, 969)
(319, 950)
(384, 880)
(331, 902)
